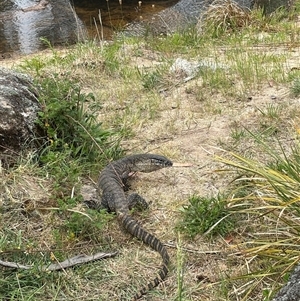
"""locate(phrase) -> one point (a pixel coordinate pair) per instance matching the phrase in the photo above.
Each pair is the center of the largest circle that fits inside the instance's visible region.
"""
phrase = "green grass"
(296, 87)
(95, 99)
(208, 216)
(74, 145)
(271, 202)
(75, 139)
(237, 134)
(180, 271)
(272, 111)
(68, 118)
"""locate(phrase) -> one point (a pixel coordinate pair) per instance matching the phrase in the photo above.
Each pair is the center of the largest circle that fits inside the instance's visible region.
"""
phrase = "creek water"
(24, 22)
(115, 14)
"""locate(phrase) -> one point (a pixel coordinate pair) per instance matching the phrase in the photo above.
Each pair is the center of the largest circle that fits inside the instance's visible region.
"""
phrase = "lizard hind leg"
(95, 205)
(98, 204)
(136, 201)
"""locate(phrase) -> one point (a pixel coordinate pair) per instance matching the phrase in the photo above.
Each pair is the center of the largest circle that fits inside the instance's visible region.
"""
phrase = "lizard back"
(112, 181)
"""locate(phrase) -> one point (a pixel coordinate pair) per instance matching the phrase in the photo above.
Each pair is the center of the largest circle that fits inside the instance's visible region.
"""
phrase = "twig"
(173, 245)
(15, 265)
(79, 259)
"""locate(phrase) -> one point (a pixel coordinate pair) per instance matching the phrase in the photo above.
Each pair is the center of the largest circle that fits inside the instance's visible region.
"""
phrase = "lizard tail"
(132, 226)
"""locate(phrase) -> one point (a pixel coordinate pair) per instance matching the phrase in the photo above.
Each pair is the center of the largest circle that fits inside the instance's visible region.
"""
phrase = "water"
(114, 16)
(23, 22)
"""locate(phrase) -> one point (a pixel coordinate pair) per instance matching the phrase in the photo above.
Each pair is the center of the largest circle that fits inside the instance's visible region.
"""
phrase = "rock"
(188, 69)
(39, 6)
(24, 23)
(270, 6)
(169, 20)
(291, 291)
(18, 110)
(188, 12)
(89, 192)
(176, 18)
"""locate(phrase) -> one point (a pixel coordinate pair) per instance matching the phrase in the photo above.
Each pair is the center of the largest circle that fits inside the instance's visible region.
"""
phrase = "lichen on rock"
(19, 107)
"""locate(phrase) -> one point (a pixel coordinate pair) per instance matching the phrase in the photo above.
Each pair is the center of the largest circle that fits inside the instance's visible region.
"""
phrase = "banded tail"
(132, 226)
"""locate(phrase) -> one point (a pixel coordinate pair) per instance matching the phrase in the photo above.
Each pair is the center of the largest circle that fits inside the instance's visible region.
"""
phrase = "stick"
(79, 259)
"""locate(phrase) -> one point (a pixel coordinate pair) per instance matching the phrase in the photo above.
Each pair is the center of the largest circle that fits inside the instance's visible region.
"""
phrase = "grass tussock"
(224, 16)
(207, 216)
(268, 193)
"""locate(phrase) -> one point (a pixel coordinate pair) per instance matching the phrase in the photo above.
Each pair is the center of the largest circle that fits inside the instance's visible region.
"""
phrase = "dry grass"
(224, 15)
(188, 122)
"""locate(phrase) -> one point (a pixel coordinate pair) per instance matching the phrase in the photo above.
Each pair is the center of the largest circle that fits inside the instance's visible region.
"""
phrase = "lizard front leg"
(136, 201)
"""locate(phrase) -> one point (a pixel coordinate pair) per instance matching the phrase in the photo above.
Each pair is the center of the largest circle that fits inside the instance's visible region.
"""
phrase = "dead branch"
(79, 259)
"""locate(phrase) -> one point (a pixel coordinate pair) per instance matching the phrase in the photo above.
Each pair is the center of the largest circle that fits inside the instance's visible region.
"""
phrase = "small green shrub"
(237, 134)
(206, 216)
(152, 80)
(80, 226)
(296, 87)
(75, 138)
(112, 58)
(181, 42)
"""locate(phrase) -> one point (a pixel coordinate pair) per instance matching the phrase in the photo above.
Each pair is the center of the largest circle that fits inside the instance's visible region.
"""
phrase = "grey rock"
(270, 6)
(89, 192)
(187, 12)
(291, 291)
(18, 112)
(188, 69)
(24, 23)
(176, 18)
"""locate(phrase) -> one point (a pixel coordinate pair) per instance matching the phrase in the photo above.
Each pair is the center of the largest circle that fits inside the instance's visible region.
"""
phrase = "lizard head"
(160, 162)
(152, 162)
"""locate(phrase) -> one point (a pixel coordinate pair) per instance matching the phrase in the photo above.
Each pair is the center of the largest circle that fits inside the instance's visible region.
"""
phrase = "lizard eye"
(160, 162)
(157, 162)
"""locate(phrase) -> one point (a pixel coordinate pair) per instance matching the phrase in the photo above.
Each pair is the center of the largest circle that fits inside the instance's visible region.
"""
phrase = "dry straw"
(224, 15)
